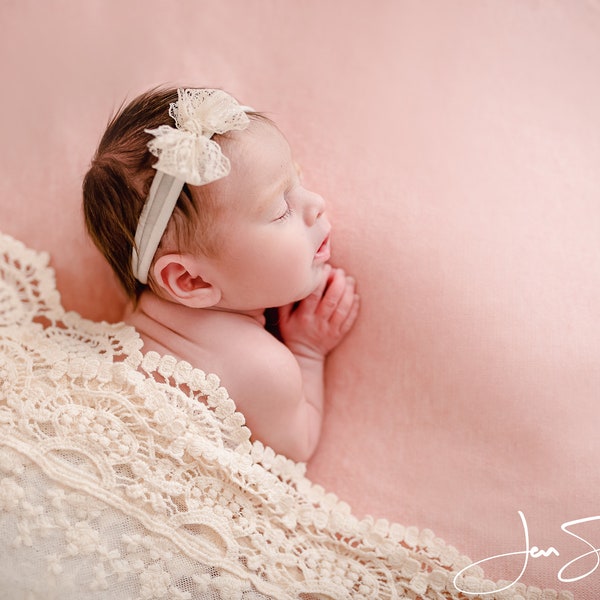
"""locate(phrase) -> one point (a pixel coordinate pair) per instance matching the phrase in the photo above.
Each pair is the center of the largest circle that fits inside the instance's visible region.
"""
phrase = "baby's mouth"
(323, 252)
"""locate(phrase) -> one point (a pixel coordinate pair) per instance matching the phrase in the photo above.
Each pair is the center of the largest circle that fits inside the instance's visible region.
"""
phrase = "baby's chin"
(294, 299)
(312, 283)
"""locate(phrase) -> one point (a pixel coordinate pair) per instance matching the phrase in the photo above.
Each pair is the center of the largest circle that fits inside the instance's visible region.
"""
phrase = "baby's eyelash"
(286, 214)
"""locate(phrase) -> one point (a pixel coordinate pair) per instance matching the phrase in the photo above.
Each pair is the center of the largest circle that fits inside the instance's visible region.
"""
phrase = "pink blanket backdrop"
(458, 146)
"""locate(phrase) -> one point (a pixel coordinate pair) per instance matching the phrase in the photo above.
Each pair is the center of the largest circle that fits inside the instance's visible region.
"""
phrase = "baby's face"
(274, 235)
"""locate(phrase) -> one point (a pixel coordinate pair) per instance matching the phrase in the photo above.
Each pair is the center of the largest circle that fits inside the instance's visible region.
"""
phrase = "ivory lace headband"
(186, 154)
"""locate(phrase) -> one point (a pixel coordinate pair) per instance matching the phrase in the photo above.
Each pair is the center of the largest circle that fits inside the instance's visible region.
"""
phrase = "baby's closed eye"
(287, 211)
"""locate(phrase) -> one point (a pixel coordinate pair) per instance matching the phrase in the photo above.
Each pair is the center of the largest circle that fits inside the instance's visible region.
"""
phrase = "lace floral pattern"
(131, 476)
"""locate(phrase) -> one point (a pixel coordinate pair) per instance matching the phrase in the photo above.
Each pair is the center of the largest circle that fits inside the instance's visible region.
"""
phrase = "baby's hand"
(321, 320)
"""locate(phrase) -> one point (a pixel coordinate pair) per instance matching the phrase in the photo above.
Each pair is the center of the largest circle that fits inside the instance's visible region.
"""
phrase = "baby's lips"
(323, 253)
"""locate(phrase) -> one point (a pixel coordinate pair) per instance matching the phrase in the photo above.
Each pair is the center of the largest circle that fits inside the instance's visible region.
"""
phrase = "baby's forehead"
(260, 128)
(260, 159)
(262, 141)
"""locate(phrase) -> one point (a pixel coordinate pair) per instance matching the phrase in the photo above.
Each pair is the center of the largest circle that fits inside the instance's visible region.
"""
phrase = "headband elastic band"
(157, 211)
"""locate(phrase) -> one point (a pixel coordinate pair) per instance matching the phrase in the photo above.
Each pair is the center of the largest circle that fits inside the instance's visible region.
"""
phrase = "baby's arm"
(312, 329)
(279, 388)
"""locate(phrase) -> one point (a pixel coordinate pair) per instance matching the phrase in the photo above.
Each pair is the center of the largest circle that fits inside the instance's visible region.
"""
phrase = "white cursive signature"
(535, 552)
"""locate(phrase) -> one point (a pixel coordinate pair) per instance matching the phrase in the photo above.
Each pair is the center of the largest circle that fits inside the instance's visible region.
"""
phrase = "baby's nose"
(315, 207)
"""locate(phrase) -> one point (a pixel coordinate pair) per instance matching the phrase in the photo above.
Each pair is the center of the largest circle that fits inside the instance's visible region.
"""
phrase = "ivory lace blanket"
(131, 476)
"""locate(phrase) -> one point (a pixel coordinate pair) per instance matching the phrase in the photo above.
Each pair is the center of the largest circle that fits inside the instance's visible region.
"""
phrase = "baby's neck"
(182, 318)
(198, 335)
(257, 315)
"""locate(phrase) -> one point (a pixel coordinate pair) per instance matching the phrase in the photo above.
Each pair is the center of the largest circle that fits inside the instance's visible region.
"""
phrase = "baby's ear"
(180, 276)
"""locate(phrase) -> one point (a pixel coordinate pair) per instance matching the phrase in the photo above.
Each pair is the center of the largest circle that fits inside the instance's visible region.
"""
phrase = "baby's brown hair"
(116, 186)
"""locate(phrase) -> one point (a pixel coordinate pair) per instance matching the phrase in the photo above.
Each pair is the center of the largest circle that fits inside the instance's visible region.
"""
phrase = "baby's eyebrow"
(271, 194)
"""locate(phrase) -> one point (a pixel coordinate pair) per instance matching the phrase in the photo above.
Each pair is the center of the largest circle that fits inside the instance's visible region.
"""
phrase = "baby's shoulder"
(256, 348)
(255, 359)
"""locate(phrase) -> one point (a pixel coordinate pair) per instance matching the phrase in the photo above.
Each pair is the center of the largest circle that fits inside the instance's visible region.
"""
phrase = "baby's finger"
(346, 325)
(310, 303)
(332, 296)
(345, 304)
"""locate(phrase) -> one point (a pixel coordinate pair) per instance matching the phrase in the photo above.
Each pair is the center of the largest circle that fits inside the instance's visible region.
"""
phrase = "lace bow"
(186, 150)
